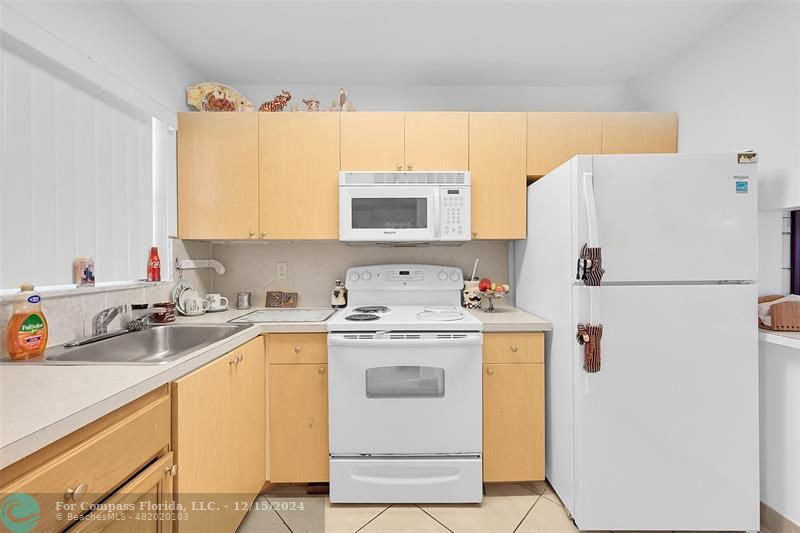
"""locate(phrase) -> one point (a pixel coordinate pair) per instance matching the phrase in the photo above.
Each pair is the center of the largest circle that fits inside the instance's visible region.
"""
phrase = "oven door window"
(389, 213)
(405, 382)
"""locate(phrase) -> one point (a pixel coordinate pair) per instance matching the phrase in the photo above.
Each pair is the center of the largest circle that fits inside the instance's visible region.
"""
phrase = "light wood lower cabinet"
(121, 457)
(298, 408)
(219, 438)
(513, 407)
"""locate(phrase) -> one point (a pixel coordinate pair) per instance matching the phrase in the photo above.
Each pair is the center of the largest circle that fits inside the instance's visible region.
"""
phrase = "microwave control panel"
(454, 213)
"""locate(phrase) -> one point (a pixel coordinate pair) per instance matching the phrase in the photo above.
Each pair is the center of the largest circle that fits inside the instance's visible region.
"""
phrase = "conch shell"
(212, 96)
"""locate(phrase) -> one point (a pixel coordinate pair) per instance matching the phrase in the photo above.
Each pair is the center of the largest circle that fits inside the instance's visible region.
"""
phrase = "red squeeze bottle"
(154, 265)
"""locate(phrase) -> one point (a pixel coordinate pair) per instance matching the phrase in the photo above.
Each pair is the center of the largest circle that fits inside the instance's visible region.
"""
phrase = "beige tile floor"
(530, 507)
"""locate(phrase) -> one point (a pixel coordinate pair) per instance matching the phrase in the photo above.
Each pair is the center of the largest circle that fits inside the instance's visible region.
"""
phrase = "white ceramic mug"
(217, 301)
(193, 304)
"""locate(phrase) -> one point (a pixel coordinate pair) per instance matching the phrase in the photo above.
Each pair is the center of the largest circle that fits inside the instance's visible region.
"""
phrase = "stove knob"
(354, 276)
(454, 276)
(442, 275)
(366, 275)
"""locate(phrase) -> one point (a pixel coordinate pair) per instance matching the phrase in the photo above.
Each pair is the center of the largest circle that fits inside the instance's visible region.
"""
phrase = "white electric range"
(405, 389)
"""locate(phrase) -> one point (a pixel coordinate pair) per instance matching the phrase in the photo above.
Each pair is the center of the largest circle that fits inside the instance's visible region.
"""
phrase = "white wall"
(104, 42)
(740, 89)
(455, 98)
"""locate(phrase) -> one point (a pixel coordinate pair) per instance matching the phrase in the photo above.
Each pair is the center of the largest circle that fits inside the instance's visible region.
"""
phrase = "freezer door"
(669, 217)
(667, 430)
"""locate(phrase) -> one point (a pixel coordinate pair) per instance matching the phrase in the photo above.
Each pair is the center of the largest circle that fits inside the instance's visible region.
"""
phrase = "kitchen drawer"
(98, 465)
(513, 348)
(287, 348)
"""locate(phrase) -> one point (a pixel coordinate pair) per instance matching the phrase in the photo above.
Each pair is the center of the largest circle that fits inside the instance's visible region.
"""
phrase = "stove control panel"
(394, 277)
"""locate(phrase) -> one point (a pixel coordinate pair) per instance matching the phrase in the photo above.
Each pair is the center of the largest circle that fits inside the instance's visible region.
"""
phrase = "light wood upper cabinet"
(217, 175)
(497, 165)
(555, 137)
(219, 417)
(640, 133)
(298, 420)
(372, 141)
(436, 141)
(299, 175)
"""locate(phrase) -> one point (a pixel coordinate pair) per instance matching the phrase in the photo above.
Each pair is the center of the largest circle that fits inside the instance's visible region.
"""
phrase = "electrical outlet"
(283, 270)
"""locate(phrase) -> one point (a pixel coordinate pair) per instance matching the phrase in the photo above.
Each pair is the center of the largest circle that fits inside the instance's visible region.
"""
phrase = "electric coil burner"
(362, 317)
(371, 309)
(404, 389)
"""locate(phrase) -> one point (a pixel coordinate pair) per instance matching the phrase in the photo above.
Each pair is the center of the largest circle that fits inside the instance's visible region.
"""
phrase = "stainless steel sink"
(152, 346)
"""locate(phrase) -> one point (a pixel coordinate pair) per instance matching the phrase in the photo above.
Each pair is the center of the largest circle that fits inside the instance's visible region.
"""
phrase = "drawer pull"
(239, 358)
(490, 371)
(172, 470)
(297, 349)
(514, 348)
(321, 370)
(399, 166)
(77, 493)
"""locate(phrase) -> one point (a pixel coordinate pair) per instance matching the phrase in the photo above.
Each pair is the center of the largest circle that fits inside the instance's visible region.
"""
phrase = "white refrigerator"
(664, 435)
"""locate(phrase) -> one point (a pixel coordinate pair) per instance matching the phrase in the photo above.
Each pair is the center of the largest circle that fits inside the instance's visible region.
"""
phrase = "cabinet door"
(249, 419)
(497, 165)
(298, 423)
(513, 422)
(217, 175)
(299, 175)
(640, 133)
(147, 496)
(437, 141)
(205, 445)
(372, 141)
(556, 137)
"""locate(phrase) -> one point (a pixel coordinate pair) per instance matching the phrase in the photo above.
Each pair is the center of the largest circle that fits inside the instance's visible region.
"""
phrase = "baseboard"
(776, 522)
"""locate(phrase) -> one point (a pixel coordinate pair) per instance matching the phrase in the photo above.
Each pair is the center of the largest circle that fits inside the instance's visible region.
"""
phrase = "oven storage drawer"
(406, 480)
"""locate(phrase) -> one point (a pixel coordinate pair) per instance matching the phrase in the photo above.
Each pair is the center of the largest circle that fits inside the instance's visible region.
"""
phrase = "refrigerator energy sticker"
(741, 187)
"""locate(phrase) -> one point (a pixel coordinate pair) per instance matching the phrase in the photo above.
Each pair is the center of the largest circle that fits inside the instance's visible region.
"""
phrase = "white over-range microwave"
(404, 207)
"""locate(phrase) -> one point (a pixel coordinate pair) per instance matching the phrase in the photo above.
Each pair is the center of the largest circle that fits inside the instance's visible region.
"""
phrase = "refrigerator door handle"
(591, 209)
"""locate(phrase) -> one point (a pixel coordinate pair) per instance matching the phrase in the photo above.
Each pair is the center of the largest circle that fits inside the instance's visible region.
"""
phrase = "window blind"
(76, 175)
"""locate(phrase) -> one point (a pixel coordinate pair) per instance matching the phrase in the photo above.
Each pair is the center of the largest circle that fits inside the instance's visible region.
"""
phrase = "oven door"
(388, 214)
(405, 393)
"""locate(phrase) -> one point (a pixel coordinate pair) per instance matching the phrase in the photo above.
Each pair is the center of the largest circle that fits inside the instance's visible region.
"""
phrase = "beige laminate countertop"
(41, 403)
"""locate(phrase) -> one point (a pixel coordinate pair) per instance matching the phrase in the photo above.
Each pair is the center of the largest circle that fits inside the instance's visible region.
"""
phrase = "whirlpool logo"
(19, 512)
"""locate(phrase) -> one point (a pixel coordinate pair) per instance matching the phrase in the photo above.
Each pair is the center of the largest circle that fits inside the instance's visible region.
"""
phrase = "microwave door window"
(389, 213)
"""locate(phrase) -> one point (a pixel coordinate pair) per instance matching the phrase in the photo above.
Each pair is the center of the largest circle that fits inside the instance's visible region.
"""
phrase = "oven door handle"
(470, 339)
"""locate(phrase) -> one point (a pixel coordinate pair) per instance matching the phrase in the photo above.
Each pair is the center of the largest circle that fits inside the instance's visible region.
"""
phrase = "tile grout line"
(530, 489)
(373, 518)
(433, 518)
(529, 512)
(279, 514)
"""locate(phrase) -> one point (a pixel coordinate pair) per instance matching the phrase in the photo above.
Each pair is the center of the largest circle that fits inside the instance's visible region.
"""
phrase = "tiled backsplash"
(70, 315)
(314, 266)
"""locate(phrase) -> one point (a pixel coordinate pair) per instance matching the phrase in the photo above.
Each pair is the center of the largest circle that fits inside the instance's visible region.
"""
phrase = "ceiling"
(433, 42)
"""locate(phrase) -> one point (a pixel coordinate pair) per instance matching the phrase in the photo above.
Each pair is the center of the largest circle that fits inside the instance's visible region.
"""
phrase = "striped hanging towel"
(590, 266)
(589, 337)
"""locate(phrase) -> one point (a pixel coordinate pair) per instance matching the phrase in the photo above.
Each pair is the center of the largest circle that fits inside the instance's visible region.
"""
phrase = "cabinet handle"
(172, 470)
(490, 371)
(232, 361)
(514, 348)
(298, 349)
(474, 234)
(399, 166)
(77, 493)
(252, 234)
(321, 370)
(263, 234)
(409, 167)
(239, 358)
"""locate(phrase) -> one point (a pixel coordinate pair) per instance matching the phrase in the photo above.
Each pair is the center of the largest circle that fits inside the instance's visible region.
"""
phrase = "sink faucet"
(142, 320)
(102, 319)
